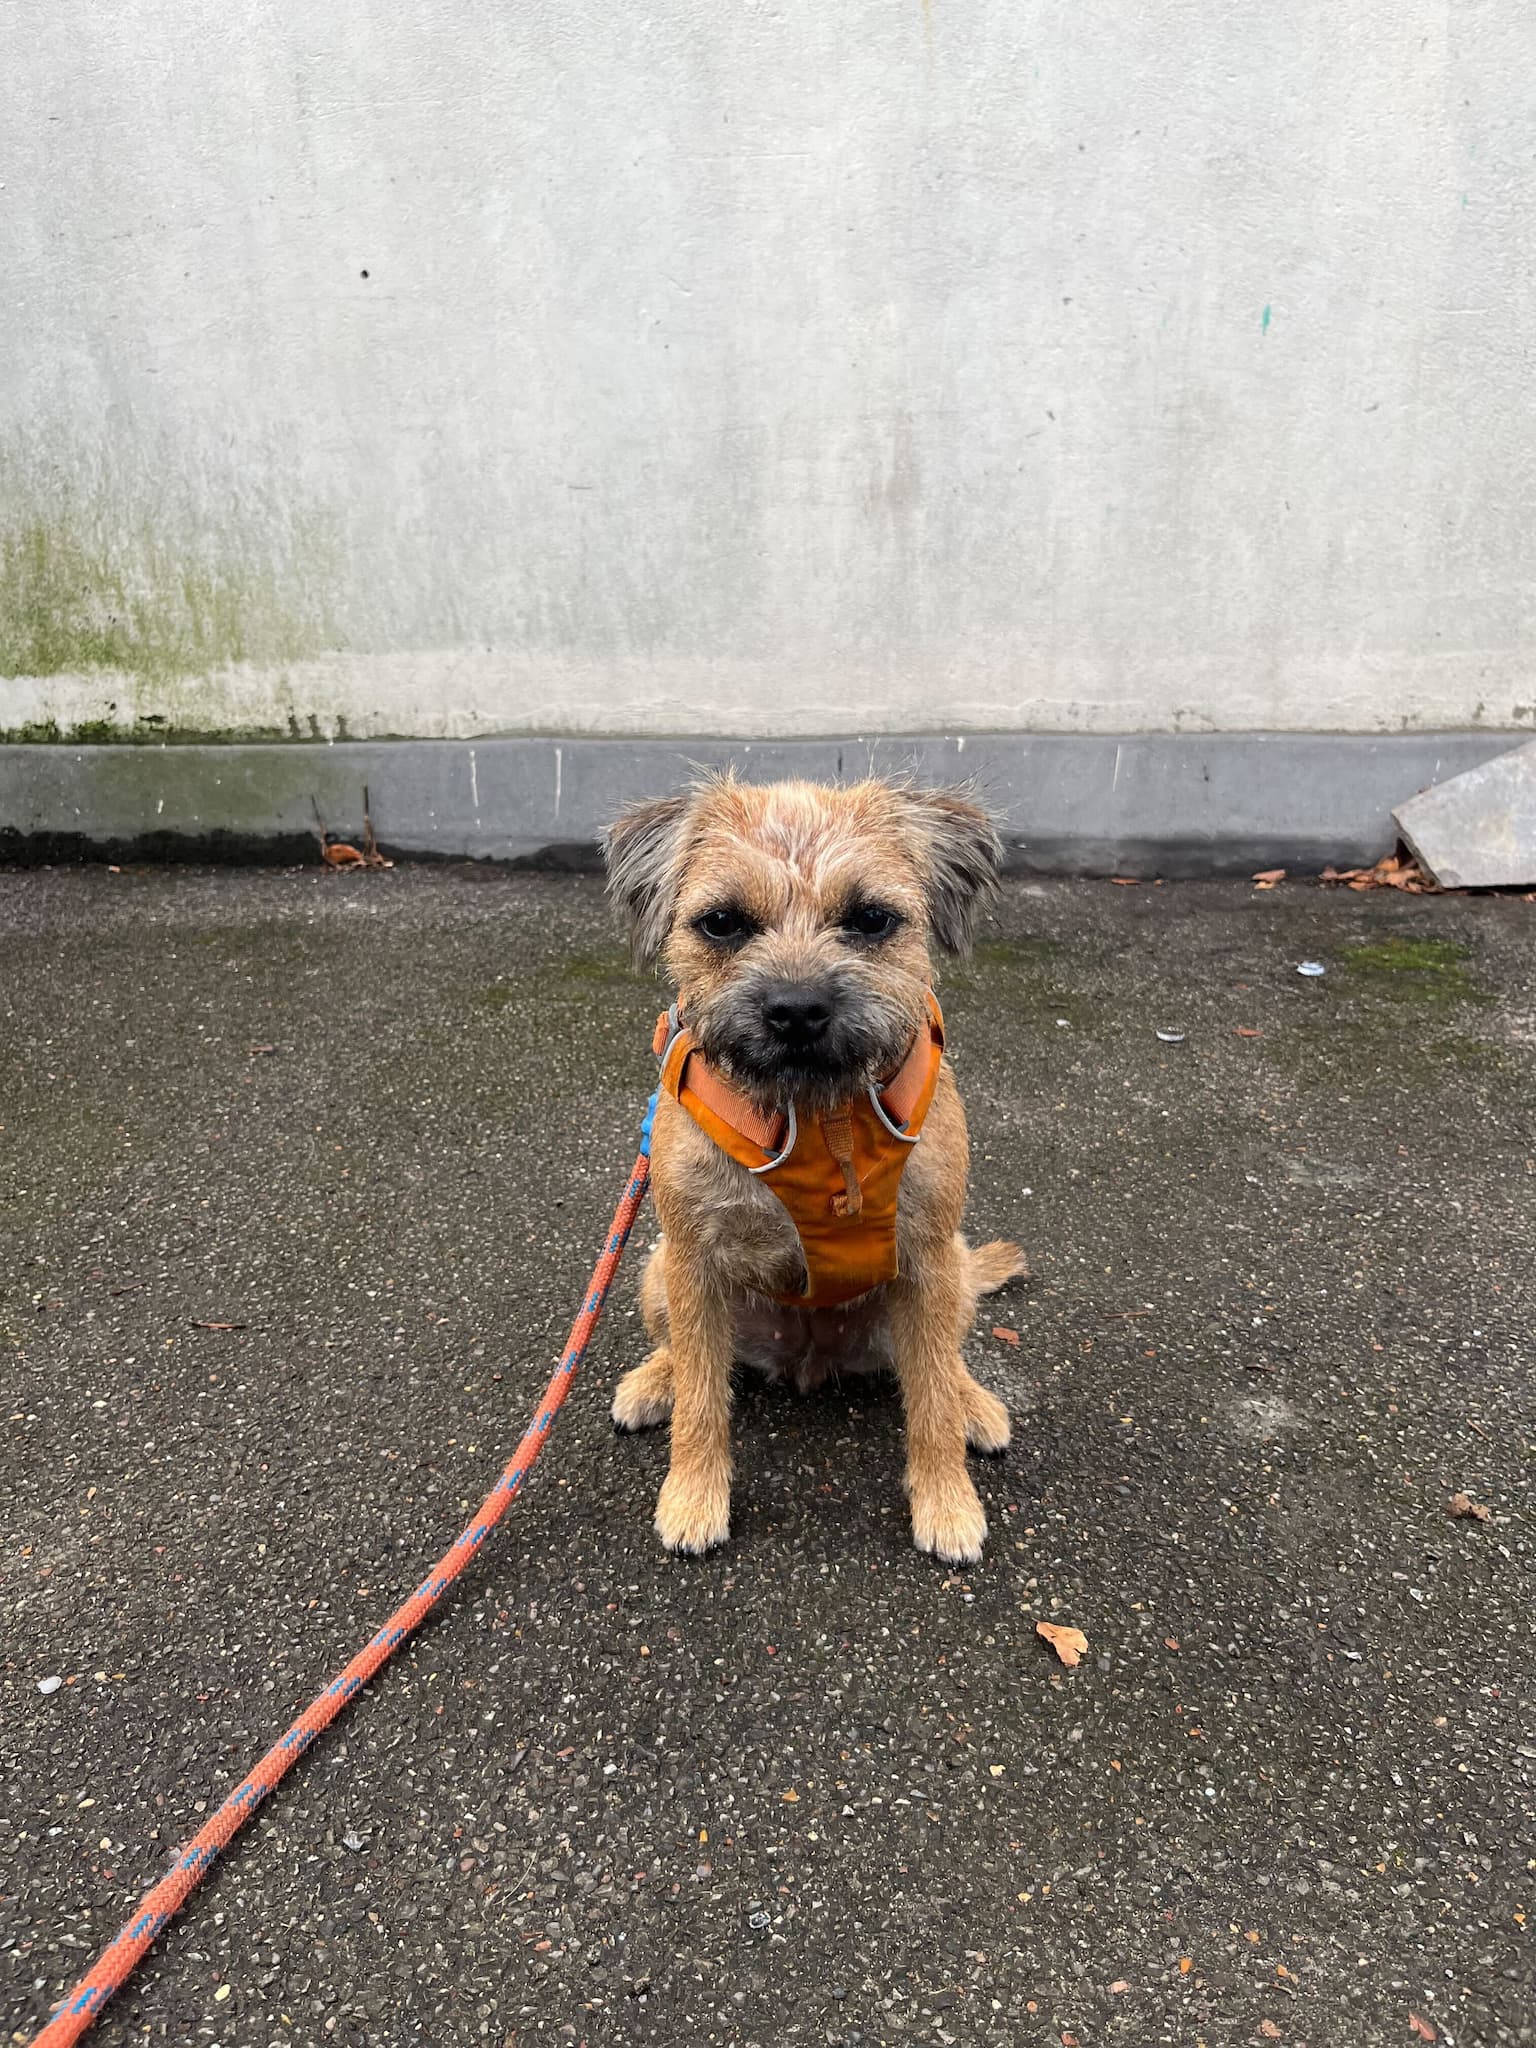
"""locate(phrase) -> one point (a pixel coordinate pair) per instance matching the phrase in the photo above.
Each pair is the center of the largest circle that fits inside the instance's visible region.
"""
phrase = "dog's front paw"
(693, 1514)
(949, 1521)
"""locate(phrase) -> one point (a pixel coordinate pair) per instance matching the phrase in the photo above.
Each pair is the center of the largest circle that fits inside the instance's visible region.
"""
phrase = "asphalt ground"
(814, 1788)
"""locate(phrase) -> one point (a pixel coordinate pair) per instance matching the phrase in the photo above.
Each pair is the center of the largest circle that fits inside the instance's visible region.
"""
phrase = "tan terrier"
(809, 1157)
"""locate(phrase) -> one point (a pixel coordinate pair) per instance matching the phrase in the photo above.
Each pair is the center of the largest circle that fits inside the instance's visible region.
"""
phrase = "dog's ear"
(642, 849)
(965, 856)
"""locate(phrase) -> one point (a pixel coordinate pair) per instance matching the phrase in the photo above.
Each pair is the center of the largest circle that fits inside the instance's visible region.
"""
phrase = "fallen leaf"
(791, 1797)
(1466, 1509)
(1268, 877)
(1269, 2030)
(1248, 1031)
(216, 1326)
(1422, 2028)
(342, 856)
(1170, 1642)
(1390, 873)
(1068, 1643)
(1125, 881)
(1069, 2041)
(1186, 1964)
(1118, 1986)
(1005, 1336)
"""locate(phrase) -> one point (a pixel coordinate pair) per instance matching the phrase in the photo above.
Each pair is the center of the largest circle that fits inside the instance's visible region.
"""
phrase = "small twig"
(1487, 1439)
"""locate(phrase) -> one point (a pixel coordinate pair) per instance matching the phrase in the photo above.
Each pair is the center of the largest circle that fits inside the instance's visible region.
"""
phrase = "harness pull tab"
(838, 1132)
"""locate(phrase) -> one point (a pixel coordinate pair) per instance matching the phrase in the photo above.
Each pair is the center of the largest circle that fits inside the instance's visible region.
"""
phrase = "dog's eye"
(723, 926)
(871, 921)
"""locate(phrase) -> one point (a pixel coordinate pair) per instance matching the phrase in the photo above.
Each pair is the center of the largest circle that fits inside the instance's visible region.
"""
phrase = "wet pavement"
(814, 1788)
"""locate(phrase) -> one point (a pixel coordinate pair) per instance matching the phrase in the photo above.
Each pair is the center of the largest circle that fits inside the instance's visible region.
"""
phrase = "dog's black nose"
(797, 1014)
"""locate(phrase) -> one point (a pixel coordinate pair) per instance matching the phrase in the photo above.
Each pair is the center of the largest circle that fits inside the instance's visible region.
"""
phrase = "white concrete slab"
(1478, 831)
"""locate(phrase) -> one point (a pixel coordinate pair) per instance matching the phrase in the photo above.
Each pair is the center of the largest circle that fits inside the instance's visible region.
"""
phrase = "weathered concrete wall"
(900, 365)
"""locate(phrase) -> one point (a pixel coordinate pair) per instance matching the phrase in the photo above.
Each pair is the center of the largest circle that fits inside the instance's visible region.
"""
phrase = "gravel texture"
(814, 1788)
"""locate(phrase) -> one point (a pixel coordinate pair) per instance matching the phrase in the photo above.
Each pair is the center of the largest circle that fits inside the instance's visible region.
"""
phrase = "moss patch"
(141, 607)
(1032, 976)
(1430, 971)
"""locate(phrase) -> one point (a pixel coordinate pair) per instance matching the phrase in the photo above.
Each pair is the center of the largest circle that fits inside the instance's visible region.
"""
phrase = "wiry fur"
(794, 861)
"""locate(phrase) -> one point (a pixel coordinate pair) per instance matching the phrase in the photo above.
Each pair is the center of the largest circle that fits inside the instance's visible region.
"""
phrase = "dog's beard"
(865, 1040)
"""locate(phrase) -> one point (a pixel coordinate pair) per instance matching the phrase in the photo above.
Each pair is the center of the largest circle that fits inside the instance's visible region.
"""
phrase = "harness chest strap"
(838, 1175)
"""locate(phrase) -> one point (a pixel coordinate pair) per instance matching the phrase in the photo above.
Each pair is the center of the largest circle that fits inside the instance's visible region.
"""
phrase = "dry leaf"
(1125, 881)
(1422, 2028)
(1186, 1964)
(1390, 873)
(216, 1326)
(1269, 877)
(791, 1797)
(1068, 1643)
(1467, 1509)
(1269, 2030)
(342, 856)
(1170, 1642)
(1248, 1031)
(1005, 1336)
(1118, 1986)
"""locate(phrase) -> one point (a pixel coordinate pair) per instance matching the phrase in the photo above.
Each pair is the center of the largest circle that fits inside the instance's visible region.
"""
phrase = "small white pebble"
(48, 1685)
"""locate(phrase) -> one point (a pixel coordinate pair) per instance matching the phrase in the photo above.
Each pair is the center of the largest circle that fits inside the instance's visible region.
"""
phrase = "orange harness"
(837, 1174)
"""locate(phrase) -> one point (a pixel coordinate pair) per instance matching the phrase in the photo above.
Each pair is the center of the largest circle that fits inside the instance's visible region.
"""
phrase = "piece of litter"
(1171, 1037)
(48, 1685)
(1467, 1509)
(1311, 968)
(1005, 1336)
(353, 1840)
(1248, 1031)
(1068, 1643)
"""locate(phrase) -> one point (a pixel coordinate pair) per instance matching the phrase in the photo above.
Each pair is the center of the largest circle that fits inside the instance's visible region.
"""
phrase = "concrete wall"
(898, 365)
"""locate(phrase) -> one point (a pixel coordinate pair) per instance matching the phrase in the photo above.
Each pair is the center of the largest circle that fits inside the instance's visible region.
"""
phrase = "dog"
(809, 1152)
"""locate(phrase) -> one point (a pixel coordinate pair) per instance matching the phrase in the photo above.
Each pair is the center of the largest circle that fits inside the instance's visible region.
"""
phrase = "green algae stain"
(142, 608)
(1430, 971)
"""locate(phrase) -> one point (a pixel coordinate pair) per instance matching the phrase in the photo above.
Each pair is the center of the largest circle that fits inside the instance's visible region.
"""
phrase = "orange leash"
(158, 1907)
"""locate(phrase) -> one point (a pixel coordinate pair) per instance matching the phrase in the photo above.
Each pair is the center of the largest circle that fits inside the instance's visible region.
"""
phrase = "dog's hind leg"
(643, 1398)
(987, 1428)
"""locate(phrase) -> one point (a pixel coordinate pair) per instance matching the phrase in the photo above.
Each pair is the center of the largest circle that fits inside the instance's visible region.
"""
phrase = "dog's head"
(798, 920)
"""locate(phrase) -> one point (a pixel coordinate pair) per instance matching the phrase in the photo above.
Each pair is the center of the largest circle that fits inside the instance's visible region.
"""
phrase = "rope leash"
(159, 1906)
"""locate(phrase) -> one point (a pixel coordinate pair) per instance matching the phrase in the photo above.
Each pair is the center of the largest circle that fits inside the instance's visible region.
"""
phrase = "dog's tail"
(994, 1265)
